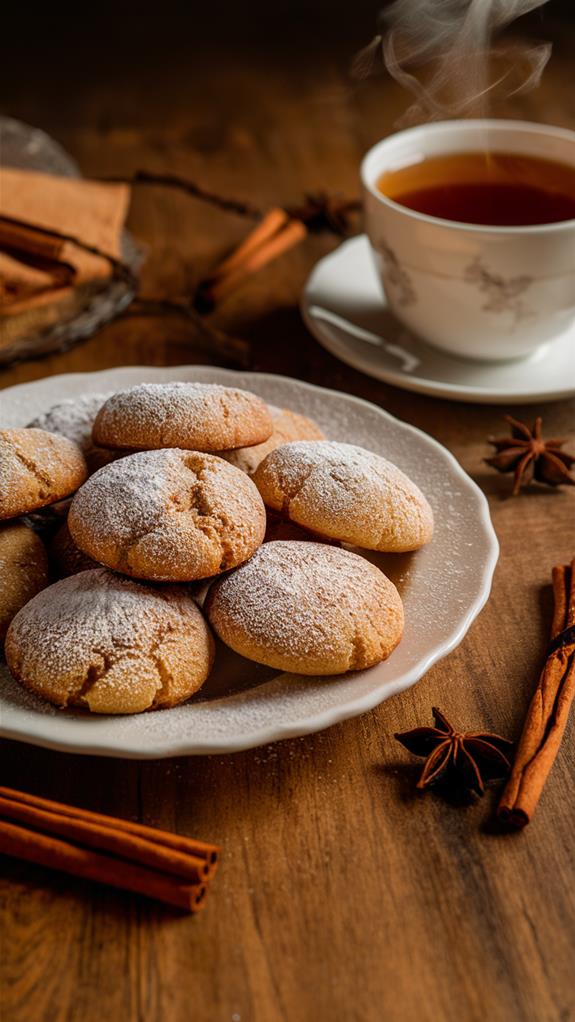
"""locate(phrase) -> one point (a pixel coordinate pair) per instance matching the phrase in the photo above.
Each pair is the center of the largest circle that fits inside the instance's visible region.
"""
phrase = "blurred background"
(251, 100)
(88, 65)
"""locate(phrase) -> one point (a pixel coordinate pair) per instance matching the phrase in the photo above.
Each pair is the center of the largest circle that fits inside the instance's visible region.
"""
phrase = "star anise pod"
(323, 212)
(530, 457)
(467, 760)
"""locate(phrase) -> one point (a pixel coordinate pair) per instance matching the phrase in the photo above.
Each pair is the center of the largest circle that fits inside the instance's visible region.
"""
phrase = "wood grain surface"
(342, 894)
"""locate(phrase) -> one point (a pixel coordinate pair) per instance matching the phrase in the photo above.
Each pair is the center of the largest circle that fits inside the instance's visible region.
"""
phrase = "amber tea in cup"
(498, 189)
(472, 229)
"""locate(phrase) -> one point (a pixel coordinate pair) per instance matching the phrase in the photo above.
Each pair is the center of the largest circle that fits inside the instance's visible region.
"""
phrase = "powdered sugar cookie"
(346, 492)
(103, 642)
(287, 426)
(36, 469)
(23, 570)
(307, 608)
(168, 515)
(192, 416)
(74, 419)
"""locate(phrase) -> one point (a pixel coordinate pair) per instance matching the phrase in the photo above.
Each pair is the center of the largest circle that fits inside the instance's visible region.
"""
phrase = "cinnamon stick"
(271, 223)
(55, 853)
(167, 866)
(49, 239)
(109, 839)
(188, 845)
(255, 260)
(276, 234)
(549, 709)
(31, 239)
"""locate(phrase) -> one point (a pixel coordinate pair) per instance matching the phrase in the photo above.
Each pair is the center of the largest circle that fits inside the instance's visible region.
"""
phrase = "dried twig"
(319, 210)
(228, 205)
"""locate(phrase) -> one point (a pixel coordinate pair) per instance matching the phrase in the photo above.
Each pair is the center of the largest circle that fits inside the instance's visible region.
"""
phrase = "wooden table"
(342, 895)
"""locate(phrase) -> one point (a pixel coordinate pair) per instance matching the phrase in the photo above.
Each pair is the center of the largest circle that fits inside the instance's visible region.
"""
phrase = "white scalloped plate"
(242, 705)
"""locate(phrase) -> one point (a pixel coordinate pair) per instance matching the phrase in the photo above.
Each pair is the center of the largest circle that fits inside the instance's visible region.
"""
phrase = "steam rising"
(450, 43)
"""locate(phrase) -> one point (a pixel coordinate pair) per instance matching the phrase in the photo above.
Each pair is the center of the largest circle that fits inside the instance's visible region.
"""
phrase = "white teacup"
(478, 292)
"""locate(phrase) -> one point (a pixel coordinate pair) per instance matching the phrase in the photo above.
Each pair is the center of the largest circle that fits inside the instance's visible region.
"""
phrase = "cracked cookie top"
(36, 469)
(192, 416)
(287, 426)
(110, 645)
(347, 493)
(307, 608)
(169, 515)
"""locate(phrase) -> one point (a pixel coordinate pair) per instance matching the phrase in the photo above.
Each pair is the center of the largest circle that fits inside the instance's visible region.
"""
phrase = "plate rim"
(470, 393)
(169, 748)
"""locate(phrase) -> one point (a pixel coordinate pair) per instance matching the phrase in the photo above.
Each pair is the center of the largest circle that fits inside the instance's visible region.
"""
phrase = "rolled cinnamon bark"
(255, 259)
(54, 853)
(269, 225)
(128, 855)
(112, 839)
(200, 850)
(178, 842)
(28, 238)
(549, 709)
(274, 235)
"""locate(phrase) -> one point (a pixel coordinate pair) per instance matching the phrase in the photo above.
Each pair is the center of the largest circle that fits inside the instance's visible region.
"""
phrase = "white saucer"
(345, 308)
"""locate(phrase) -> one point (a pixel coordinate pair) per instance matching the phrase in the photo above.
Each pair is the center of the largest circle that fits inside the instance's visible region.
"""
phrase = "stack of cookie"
(196, 486)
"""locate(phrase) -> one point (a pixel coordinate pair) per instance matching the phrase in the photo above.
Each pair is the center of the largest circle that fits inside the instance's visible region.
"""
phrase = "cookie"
(111, 645)
(189, 416)
(37, 469)
(74, 419)
(65, 557)
(346, 492)
(307, 608)
(287, 426)
(23, 570)
(169, 515)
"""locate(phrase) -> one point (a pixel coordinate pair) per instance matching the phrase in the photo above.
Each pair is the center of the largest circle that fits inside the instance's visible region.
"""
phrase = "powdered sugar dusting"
(102, 641)
(36, 468)
(73, 418)
(287, 426)
(195, 416)
(443, 587)
(307, 600)
(168, 515)
(96, 610)
(349, 493)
